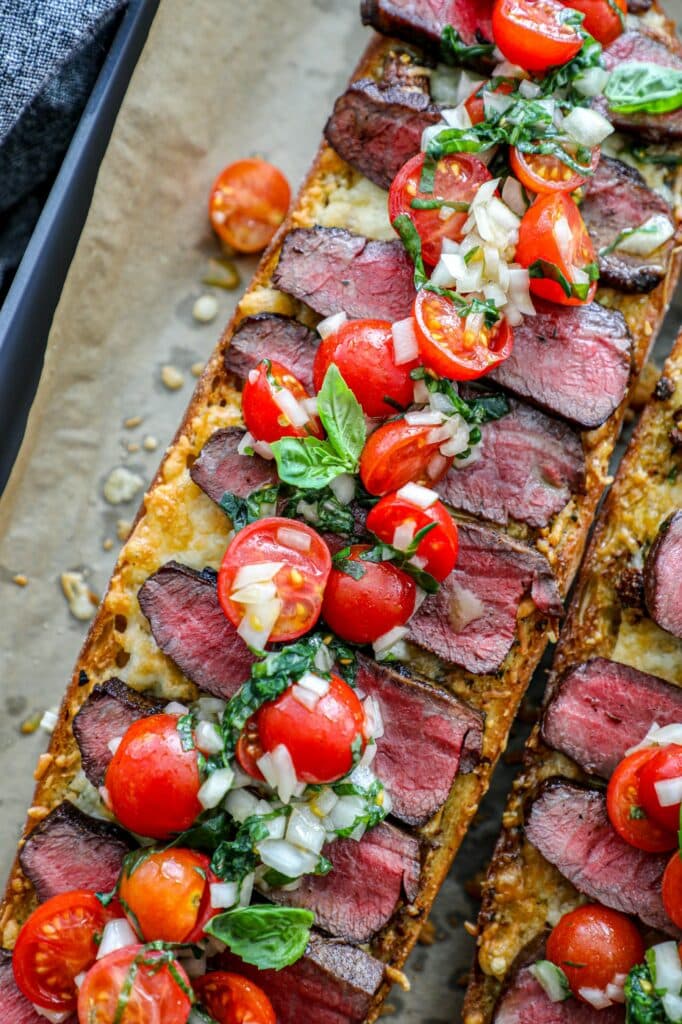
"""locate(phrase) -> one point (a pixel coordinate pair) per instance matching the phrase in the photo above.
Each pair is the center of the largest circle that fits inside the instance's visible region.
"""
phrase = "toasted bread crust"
(177, 520)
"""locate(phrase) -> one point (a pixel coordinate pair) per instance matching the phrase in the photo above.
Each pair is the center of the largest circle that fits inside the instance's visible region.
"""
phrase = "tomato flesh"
(625, 810)
(233, 999)
(362, 610)
(55, 945)
(553, 230)
(262, 415)
(159, 989)
(397, 453)
(363, 352)
(248, 202)
(299, 583)
(592, 945)
(440, 545)
(152, 783)
(601, 21)
(457, 178)
(665, 764)
(672, 889)
(546, 173)
(453, 346)
(534, 33)
(167, 894)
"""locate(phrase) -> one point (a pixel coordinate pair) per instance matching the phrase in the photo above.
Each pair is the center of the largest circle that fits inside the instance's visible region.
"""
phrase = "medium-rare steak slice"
(189, 626)
(471, 621)
(663, 576)
(423, 21)
(616, 197)
(603, 708)
(331, 984)
(70, 850)
(528, 468)
(332, 270)
(569, 825)
(429, 736)
(270, 336)
(570, 360)
(16, 1008)
(106, 714)
(631, 47)
(220, 468)
(377, 128)
(368, 881)
(526, 1002)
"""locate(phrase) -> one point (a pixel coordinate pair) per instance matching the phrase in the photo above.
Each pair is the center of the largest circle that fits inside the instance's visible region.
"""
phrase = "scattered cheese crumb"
(20, 579)
(107, 544)
(81, 600)
(123, 528)
(197, 369)
(50, 719)
(122, 486)
(150, 444)
(171, 378)
(205, 309)
(30, 725)
(133, 446)
(132, 421)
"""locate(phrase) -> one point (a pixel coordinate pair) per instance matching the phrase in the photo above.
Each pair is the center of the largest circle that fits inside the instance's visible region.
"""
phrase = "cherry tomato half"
(167, 894)
(55, 945)
(319, 740)
(299, 584)
(546, 173)
(592, 945)
(475, 106)
(672, 889)
(159, 989)
(152, 783)
(553, 230)
(248, 202)
(439, 547)
(456, 180)
(363, 352)
(232, 999)
(665, 764)
(625, 810)
(454, 346)
(361, 610)
(263, 416)
(397, 453)
(601, 20)
(534, 33)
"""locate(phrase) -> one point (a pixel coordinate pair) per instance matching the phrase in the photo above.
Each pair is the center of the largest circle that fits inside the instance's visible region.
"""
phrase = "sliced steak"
(638, 47)
(332, 270)
(602, 708)
(471, 621)
(270, 336)
(569, 825)
(376, 129)
(663, 576)
(70, 850)
(220, 468)
(106, 714)
(617, 196)
(570, 360)
(16, 1009)
(423, 21)
(368, 881)
(525, 1001)
(528, 468)
(429, 736)
(189, 626)
(331, 984)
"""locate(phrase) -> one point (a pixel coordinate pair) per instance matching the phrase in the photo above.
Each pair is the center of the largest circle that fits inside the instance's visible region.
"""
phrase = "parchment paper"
(218, 80)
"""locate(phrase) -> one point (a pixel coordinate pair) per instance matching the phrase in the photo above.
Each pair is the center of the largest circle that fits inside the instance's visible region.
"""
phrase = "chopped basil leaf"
(201, 1015)
(636, 813)
(438, 204)
(643, 1005)
(268, 937)
(321, 508)
(350, 566)
(236, 858)
(413, 246)
(426, 181)
(666, 156)
(243, 511)
(563, 76)
(185, 727)
(644, 87)
(551, 272)
(454, 51)
(375, 804)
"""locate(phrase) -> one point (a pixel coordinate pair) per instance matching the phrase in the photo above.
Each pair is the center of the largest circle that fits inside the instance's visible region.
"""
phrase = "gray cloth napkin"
(50, 54)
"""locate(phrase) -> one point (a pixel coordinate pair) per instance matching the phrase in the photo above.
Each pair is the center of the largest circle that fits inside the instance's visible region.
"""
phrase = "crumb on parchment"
(172, 378)
(81, 600)
(122, 485)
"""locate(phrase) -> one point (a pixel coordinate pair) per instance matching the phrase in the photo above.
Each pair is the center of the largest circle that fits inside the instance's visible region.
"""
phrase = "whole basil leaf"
(308, 462)
(454, 51)
(644, 87)
(268, 937)
(342, 417)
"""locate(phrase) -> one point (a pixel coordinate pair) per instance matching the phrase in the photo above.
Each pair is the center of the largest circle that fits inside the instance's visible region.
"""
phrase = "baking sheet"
(217, 81)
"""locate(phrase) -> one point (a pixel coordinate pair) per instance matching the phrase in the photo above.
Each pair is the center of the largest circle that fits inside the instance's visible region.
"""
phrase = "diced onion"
(53, 1016)
(307, 698)
(505, 69)
(375, 721)
(246, 441)
(290, 537)
(529, 90)
(552, 980)
(457, 117)
(403, 535)
(49, 720)
(458, 441)
(317, 685)
(648, 236)
(432, 131)
(279, 772)
(174, 707)
(246, 890)
(659, 736)
(669, 791)
(208, 739)
(263, 449)
(436, 466)
(253, 376)
(423, 418)
(343, 488)
(224, 895)
(322, 802)
(667, 968)
(496, 103)
(305, 830)
(441, 403)
(324, 659)
(405, 347)
(387, 640)
(564, 237)
(241, 804)
(290, 406)
(512, 195)
(672, 1005)
(310, 406)
(588, 127)
(258, 622)
(114, 744)
(210, 707)
(465, 607)
(289, 860)
(615, 989)
(420, 392)
(439, 434)
(258, 572)
(255, 593)
(117, 934)
(595, 997)
(331, 324)
(346, 811)
(215, 788)
(415, 494)
(591, 82)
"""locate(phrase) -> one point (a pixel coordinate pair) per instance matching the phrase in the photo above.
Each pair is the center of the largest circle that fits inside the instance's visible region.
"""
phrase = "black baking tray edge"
(29, 306)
